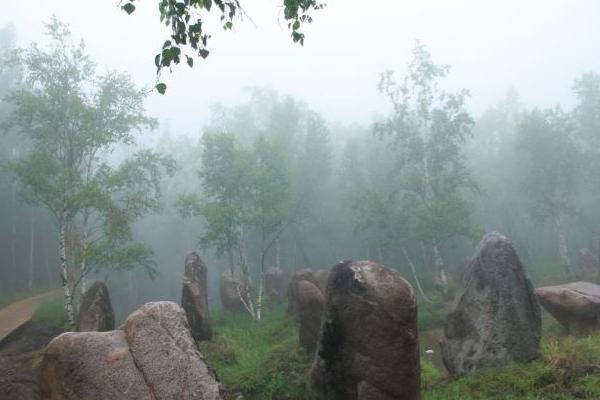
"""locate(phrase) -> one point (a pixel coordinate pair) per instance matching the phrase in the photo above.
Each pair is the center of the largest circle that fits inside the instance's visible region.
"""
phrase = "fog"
(536, 46)
(454, 146)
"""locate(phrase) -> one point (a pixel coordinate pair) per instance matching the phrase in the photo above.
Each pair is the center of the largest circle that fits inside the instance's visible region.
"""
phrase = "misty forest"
(284, 225)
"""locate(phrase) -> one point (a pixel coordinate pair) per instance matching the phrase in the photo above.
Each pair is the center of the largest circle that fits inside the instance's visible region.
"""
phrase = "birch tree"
(73, 119)
(429, 127)
(548, 160)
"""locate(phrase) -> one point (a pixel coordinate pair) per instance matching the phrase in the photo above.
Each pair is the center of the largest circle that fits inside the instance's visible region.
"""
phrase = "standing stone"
(305, 274)
(274, 284)
(154, 358)
(194, 297)
(575, 305)
(322, 275)
(495, 317)
(96, 312)
(368, 348)
(231, 287)
(311, 303)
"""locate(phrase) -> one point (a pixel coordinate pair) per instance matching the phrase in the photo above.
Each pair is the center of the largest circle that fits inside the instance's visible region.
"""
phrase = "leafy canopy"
(187, 21)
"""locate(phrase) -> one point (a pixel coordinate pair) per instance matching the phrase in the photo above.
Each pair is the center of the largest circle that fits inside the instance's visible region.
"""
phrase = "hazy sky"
(535, 46)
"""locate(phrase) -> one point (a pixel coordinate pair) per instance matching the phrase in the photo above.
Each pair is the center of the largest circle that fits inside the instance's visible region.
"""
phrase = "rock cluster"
(154, 357)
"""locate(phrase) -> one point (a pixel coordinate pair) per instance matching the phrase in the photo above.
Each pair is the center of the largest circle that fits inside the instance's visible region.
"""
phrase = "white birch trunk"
(64, 273)
(31, 250)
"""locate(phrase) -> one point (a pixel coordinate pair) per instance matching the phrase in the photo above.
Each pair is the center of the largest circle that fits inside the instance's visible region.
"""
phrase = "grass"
(261, 360)
(264, 361)
(51, 312)
(566, 370)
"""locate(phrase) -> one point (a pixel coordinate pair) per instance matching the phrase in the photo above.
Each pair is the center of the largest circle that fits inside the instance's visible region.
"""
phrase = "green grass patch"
(51, 312)
(567, 370)
(431, 315)
(262, 360)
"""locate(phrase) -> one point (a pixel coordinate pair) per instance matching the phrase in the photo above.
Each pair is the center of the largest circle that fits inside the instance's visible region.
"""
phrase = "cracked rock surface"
(153, 358)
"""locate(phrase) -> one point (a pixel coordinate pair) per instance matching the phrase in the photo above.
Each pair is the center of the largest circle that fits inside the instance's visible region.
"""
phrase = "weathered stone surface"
(194, 297)
(162, 347)
(322, 275)
(495, 318)
(368, 348)
(311, 303)
(230, 298)
(92, 366)
(274, 284)
(96, 312)
(154, 358)
(575, 305)
(304, 274)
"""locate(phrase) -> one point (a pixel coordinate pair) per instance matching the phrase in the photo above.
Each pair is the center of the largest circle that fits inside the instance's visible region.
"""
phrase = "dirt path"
(14, 315)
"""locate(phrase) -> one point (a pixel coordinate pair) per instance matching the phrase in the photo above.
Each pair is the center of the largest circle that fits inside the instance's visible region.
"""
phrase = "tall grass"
(51, 312)
(262, 360)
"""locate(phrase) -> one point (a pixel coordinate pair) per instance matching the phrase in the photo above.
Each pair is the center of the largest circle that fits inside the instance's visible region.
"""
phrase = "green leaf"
(203, 53)
(129, 8)
(161, 88)
(157, 61)
(190, 61)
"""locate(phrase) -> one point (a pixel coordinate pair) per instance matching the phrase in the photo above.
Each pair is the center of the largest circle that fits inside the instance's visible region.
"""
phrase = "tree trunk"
(84, 245)
(64, 272)
(13, 239)
(416, 278)
(31, 249)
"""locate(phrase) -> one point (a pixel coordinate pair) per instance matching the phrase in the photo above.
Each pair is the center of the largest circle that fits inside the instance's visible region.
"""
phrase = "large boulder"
(575, 305)
(274, 285)
(304, 274)
(310, 309)
(230, 289)
(495, 318)
(162, 347)
(154, 358)
(96, 312)
(322, 275)
(92, 366)
(194, 297)
(368, 348)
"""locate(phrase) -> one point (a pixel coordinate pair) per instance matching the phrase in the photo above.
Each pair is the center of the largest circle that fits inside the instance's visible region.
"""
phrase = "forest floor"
(16, 314)
(263, 361)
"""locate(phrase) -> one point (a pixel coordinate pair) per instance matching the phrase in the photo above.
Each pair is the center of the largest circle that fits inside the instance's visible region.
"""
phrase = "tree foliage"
(187, 18)
(72, 120)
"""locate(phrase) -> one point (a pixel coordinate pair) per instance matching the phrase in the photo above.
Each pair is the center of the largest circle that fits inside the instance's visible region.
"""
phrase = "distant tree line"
(270, 183)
